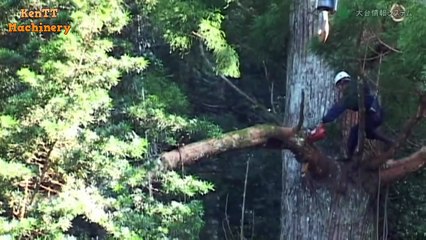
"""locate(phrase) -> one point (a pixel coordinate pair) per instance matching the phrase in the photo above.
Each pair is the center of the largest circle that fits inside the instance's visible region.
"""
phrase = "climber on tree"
(349, 100)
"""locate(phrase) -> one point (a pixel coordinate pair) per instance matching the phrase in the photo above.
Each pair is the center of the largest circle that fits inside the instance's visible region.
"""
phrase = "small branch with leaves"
(45, 169)
(253, 101)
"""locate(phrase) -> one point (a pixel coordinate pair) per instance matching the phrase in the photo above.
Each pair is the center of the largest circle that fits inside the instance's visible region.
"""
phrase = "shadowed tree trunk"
(334, 208)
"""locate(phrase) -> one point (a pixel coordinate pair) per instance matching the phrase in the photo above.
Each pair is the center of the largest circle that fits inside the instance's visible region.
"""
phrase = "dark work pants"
(372, 122)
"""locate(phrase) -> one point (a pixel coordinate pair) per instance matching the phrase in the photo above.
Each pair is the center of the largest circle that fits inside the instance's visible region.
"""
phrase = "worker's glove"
(317, 134)
(313, 129)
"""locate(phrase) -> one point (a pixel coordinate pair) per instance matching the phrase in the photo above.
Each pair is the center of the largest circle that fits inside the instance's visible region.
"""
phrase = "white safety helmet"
(341, 75)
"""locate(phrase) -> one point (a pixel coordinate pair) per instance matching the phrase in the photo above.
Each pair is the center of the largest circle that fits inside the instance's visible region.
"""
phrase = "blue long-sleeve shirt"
(334, 112)
(350, 101)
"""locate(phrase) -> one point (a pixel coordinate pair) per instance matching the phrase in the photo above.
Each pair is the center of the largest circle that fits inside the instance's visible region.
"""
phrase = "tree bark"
(267, 136)
(334, 209)
(255, 136)
(403, 167)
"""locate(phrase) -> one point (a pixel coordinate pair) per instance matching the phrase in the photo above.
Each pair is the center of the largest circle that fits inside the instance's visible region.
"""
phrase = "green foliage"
(167, 93)
(181, 21)
(173, 219)
(188, 185)
(214, 38)
(411, 31)
(407, 207)
(151, 115)
(10, 57)
(267, 34)
(162, 221)
(13, 170)
(61, 117)
(177, 19)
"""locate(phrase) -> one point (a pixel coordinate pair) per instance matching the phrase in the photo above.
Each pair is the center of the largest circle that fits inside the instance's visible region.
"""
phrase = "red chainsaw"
(317, 134)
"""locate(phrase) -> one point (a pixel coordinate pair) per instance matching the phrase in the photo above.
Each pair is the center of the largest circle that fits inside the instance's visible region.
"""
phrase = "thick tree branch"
(266, 136)
(407, 129)
(249, 137)
(387, 45)
(403, 167)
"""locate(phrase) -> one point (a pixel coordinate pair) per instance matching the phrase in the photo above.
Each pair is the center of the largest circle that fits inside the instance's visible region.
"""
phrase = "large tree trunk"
(335, 208)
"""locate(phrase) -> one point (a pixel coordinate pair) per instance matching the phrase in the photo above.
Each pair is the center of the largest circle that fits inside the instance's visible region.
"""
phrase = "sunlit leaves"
(133, 63)
(11, 170)
(214, 38)
(174, 216)
(108, 14)
(76, 199)
(7, 122)
(17, 227)
(177, 19)
(177, 41)
(65, 98)
(187, 185)
(137, 147)
(151, 115)
(27, 76)
(134, 149)
(69, 91)
(181, 19)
